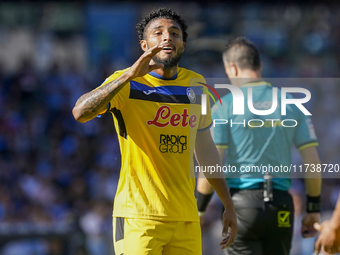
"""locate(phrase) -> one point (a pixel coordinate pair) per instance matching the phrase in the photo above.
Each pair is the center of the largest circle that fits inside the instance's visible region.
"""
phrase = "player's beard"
(169, 62)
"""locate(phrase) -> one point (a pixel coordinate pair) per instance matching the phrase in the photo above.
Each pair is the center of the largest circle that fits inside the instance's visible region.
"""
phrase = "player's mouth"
(168, 48)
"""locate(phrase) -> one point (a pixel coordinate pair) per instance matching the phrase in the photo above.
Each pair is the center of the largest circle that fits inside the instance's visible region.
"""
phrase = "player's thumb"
(155, 66)
(317, 226)
(225, 231)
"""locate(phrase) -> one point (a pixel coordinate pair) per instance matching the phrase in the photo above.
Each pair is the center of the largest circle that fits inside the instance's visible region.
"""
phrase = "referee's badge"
(283, 219)
(191, 95)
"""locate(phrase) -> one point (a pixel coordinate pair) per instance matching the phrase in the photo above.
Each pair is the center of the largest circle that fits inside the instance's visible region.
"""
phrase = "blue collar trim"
(156, 75)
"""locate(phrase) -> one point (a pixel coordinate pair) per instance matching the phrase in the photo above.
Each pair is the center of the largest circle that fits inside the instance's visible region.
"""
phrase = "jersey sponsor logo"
(163, 118)
(172, 143)
(191, 95)
(149, 91)
(283, 220)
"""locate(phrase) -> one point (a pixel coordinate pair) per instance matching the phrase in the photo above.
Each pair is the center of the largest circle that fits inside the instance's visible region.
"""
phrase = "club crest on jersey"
(191, 95)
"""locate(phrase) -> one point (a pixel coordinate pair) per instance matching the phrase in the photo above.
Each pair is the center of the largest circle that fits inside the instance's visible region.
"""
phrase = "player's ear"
(144, 45)
(233, 69)
(183, 47)
(230, 69)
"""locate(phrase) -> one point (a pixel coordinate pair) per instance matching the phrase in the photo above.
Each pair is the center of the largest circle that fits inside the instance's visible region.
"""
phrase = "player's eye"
(175, 33)
(157, 33)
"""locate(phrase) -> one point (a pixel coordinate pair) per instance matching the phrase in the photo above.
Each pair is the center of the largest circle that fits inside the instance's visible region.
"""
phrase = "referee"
(265, 210)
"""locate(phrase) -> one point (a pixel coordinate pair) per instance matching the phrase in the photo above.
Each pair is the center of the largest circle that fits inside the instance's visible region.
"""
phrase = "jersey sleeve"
(220, 134)
(119, 100)
(305, 134)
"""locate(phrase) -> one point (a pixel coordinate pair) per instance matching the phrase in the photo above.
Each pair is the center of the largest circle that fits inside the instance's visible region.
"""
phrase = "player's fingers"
(224, 241)
(317, 246)
(317, 226)
(232, 231)
(328, 249)
(153, 51)
(150, 53)
(225, 234)
(230, 241)
(225, 229)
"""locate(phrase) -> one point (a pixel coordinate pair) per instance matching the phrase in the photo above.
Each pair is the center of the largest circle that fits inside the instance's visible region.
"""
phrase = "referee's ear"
(231, 70)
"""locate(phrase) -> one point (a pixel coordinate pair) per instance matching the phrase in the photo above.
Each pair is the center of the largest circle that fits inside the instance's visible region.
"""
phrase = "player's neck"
(248, 76)
(168, 73)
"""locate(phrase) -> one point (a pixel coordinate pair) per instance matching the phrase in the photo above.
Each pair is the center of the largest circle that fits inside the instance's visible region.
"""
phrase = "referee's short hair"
(242, 53)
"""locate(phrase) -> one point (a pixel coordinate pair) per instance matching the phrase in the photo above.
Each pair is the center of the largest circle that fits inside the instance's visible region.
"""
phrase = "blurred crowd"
(55, 172)
(58, 177)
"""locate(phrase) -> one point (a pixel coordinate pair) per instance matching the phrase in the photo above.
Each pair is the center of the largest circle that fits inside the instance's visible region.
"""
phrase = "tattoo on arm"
(96, 100)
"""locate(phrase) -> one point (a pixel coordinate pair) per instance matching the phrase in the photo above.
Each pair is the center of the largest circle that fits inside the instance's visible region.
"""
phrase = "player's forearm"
(208, 156)
(95, 102)
(203, 186)
(221, 188)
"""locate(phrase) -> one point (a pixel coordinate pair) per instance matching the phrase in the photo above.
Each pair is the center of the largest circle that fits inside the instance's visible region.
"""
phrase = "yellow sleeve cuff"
(314, 144)
(222, 146)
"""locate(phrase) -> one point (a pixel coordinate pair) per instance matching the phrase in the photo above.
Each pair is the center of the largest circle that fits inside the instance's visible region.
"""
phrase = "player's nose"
(166, 37)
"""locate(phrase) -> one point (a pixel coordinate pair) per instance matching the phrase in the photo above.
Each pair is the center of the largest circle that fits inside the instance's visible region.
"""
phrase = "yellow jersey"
(156, 121)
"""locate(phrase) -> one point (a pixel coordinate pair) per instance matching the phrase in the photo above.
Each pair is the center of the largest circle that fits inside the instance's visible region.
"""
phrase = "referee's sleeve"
(220, 129)
(305, 134)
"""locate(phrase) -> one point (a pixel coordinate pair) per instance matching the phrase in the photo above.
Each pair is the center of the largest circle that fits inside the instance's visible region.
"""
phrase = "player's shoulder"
(186, 72)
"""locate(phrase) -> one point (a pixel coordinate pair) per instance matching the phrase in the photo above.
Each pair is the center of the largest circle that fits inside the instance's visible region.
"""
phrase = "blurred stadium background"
(58, 177)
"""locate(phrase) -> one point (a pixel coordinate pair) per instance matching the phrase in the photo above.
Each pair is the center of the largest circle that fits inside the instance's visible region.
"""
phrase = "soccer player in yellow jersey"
(158, 116)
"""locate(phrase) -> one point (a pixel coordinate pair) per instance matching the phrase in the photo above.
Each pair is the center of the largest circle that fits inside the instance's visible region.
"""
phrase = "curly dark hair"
(165, 13)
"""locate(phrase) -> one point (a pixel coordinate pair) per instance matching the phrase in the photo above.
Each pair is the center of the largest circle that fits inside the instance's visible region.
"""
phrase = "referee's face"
(167, 33)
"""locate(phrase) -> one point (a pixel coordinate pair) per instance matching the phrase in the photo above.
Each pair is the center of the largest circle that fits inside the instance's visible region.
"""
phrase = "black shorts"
(264, 228)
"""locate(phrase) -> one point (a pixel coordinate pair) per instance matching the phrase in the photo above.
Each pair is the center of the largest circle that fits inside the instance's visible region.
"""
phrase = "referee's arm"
(313, 191)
